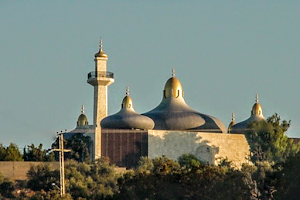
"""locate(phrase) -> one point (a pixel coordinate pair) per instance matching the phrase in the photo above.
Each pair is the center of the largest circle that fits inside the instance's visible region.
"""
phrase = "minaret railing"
(104, 74)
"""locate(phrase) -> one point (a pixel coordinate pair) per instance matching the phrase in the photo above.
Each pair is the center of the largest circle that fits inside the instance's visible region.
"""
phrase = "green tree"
(268, 140)
(41, 177)
(164, 165)
(32, 153)
(145, 165)
(260, 179)
(169, 180)
(83, 181)
(287, 179)
(50, 195)
(12, 153)
(151, 180)
(189, 161)
(6, 187)
(80, 146)
(2, 152)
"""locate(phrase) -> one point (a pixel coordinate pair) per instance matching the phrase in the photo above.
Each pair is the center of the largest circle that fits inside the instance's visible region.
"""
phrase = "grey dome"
(127, 118)
(256, 116)
(174, 114)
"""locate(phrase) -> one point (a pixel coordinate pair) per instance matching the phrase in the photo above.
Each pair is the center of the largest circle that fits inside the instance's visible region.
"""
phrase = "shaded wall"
(17, 170)
(124, 147)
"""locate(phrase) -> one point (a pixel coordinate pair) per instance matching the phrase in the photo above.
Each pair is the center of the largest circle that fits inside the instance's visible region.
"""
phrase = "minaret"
(100, 79)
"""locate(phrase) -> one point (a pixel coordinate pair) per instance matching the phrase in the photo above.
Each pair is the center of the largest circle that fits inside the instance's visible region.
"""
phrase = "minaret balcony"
(104, 78)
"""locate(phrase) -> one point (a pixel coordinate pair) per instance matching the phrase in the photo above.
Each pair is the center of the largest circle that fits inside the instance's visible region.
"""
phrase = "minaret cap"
(101, 52)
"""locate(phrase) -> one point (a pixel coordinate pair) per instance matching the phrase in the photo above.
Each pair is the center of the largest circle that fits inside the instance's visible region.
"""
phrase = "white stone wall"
(208, 147)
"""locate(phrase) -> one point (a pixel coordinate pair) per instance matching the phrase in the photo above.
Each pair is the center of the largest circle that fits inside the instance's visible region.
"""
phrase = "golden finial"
(173, 72)
(127, 91)
(100, 45)
(101, 53)
(82, 109)
(256, 98)
(232, 117)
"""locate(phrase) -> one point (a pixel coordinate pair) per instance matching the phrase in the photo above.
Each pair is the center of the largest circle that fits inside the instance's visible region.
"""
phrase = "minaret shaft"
(100, 103)
(100, 64)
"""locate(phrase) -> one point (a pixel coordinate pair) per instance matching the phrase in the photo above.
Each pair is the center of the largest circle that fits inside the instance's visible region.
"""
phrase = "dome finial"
(100, 45)
(232, 117)
(82, 109)
(173, 72)
(256, 98)
(101, 52)
(127, 91)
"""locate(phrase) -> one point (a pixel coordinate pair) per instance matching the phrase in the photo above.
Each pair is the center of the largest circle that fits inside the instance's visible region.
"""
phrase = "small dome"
(101, 52)
(127, 118)
(127, 103)
(256, 109)
(82, 119)
(173, 87)
(256, 116)
(174, 114)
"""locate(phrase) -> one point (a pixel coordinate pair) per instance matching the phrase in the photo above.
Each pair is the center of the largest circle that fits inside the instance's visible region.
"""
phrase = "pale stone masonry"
(208, 147)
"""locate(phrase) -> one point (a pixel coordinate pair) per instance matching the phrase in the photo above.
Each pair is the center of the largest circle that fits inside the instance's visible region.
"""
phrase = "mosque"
(170, 129)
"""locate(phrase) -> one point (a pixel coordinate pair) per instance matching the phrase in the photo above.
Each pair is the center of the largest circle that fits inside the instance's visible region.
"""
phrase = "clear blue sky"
(224, 52)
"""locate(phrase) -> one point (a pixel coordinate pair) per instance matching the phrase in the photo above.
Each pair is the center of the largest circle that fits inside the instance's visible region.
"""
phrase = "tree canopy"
(10, 153)
(268, 140)
(90, 181)
(80, 146)
(6, 187)
(163, 178)
(32, 153)
(287, 178)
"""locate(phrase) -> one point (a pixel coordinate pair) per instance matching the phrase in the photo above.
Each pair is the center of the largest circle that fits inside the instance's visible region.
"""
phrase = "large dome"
(256, 116)
(174, 114)
(127, 118)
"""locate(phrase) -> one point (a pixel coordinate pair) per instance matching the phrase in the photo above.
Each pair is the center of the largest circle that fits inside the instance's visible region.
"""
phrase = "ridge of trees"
(163, 178)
